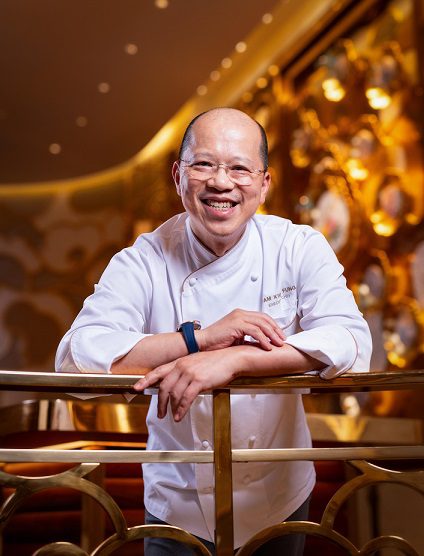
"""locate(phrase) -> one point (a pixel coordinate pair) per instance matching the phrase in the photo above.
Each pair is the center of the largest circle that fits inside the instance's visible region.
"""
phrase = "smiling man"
(215, 293)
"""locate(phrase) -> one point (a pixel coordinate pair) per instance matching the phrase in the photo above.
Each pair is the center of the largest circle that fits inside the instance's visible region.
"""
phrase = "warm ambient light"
(55, 148)
(356, 169)
(131, 49)
(247, 97)
(241, 47)
(81, 121)
(333, 89)
(378, 98)
(103, 87)
(262, 82)
(273, 70)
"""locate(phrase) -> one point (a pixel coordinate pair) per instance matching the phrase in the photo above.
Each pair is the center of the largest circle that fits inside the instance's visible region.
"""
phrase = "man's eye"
(202, 164)
(239, 168)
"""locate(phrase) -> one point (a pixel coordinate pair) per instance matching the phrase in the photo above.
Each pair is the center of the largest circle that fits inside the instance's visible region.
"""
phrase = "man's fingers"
(177, 392)
(190, 394)
(148, 380)
(265, 335)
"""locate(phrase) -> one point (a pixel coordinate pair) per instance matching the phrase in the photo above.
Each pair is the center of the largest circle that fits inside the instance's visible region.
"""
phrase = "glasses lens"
(243, 177)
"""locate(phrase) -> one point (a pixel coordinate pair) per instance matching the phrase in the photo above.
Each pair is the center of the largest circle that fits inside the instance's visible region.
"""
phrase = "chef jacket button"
(192, 281)
(254, 277)
(205, 444)
(247, 479)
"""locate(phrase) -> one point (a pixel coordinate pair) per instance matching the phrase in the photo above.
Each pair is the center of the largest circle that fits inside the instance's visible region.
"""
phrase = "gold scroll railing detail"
(222, 458)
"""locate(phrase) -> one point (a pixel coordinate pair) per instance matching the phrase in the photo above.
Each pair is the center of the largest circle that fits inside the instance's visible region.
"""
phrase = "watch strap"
(187, 330)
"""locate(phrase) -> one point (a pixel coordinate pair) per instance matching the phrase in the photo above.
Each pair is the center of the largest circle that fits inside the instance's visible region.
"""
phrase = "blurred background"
(94, 98)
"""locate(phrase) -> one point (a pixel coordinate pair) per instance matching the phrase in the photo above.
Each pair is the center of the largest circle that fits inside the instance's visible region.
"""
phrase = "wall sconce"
(306, 139)
(339, 65)
(393, 206)
(365, 146)
(385, 77)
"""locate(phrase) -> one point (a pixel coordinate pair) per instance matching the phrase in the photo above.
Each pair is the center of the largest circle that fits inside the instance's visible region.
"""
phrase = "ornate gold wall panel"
(55, 241)
(346, 125)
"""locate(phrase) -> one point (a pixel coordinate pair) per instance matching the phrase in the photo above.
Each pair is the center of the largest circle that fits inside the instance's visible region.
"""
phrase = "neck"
(221, 245)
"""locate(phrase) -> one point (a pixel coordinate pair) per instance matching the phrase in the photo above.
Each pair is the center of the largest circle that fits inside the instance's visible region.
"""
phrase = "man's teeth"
(222, 205)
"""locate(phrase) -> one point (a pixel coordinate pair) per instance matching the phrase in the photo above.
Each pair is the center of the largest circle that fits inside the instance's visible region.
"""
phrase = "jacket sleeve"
(112, 319)
(333, 329)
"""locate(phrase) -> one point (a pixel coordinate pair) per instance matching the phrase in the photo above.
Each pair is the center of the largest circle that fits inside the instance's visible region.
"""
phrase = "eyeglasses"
(237, 173)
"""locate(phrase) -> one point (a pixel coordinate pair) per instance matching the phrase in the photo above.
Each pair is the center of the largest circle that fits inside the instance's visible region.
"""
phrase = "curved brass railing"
(222, 457)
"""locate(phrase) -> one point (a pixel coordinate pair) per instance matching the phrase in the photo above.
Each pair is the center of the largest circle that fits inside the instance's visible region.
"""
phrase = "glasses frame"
(215, 167)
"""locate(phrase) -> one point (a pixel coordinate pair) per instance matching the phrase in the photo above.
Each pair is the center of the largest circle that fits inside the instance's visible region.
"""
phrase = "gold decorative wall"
(346, 120)
(55, 241)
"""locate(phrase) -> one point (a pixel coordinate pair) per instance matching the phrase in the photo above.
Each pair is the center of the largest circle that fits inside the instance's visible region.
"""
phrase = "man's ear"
(176, 175)
(266, 182)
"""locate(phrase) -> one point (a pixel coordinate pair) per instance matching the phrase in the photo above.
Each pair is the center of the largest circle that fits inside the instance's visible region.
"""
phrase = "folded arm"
(182, 380)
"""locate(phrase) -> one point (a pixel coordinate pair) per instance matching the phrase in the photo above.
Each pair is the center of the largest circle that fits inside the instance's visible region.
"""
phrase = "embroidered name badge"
(280, 297)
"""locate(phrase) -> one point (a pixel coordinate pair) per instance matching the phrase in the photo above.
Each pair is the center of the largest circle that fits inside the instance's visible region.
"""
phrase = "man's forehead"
(234, 125)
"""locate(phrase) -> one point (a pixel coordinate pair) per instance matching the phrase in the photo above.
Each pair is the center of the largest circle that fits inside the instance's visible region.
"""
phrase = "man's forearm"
(280, 360)
(151, 352)
(159, 349)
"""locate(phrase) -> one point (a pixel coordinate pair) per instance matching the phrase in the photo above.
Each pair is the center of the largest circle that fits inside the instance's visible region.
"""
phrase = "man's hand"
(231, 330)
(183, 379)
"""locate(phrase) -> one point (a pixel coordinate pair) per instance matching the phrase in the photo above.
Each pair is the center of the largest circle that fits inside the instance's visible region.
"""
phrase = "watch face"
(196, 324)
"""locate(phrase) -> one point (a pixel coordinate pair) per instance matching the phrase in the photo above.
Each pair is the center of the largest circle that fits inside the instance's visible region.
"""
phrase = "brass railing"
(222, 456)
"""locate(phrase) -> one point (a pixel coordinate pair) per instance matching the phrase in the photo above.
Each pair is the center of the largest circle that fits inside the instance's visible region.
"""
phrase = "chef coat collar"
(202, 256)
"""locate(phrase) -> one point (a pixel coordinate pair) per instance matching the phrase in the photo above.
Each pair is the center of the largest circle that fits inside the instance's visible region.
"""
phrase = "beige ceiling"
(54, 54)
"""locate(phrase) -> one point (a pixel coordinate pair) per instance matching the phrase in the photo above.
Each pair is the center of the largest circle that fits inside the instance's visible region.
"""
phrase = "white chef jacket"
(168, 277)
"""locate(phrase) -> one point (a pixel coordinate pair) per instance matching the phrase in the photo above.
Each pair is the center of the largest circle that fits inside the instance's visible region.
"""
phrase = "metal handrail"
(99, 383)
(222, 456)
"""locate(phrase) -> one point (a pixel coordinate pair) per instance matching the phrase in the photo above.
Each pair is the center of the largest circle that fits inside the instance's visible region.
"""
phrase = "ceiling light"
(241, 47)
(273, 70)
(81, 121)
(131, 49)
(161, 4)
(215, 75)
(267, 18)
(262, 82)
(55, 148)
(103, 87)
(202, 90)
(226, 63)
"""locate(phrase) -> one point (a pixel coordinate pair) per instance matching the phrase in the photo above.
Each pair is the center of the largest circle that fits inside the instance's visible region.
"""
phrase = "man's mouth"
(219, 205)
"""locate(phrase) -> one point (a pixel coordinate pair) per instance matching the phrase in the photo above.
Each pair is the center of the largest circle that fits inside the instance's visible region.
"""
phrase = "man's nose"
(220, 179)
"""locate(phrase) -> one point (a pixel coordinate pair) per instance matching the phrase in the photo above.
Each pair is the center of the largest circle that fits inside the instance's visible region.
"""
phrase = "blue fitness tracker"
(187, 330)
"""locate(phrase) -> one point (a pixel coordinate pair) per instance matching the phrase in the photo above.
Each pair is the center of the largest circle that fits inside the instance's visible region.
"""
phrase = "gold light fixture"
(339, 66)
(385, 77)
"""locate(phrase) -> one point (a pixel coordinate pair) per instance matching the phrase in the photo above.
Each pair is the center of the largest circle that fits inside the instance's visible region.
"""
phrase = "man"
(271, 300)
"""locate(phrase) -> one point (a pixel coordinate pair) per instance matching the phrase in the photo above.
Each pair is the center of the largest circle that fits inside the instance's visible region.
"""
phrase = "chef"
(215, 293)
